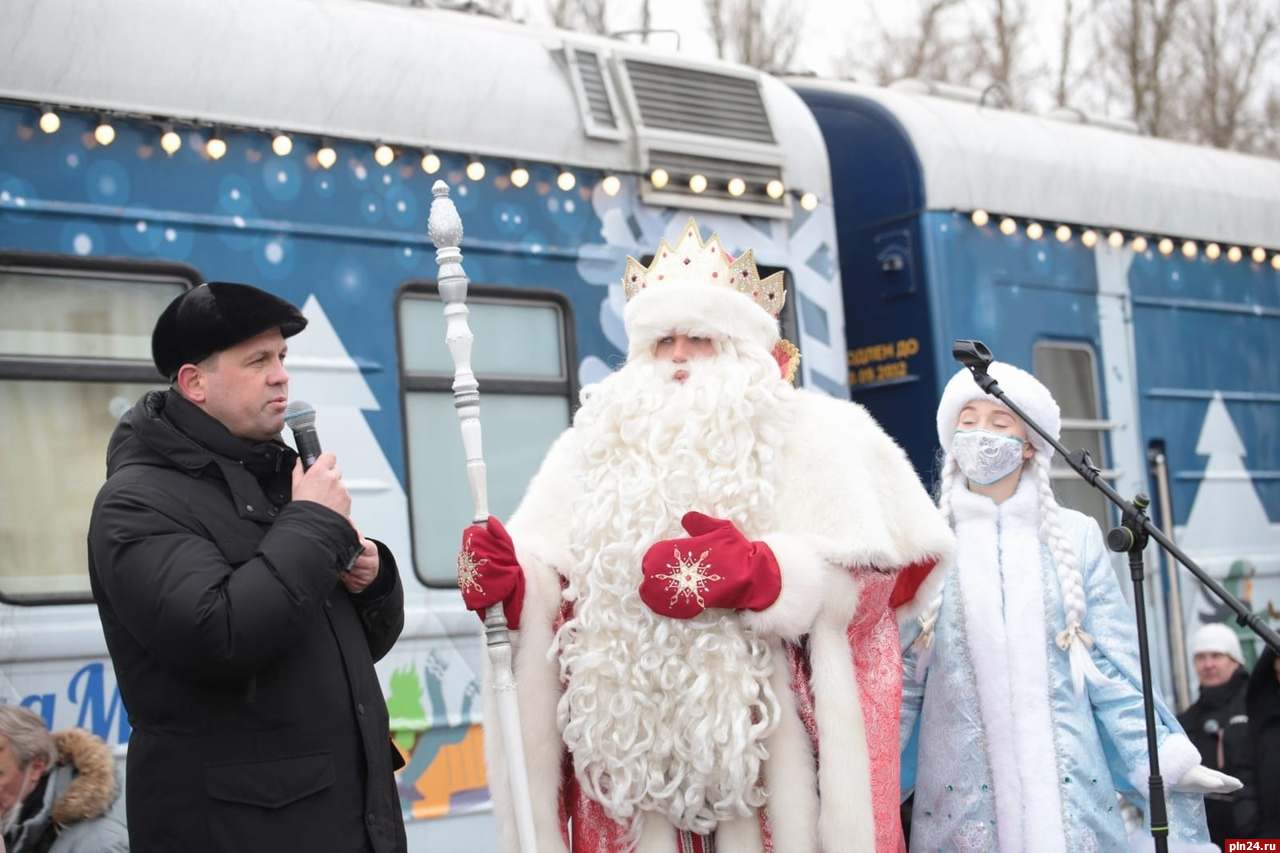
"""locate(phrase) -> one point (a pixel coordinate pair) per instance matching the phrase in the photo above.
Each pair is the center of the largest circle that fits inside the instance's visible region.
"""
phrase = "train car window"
(1069, 370)
(75, 354)
(523, 360)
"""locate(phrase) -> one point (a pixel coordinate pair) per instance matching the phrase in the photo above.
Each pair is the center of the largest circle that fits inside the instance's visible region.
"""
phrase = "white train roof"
(981, 157)
(363, 70)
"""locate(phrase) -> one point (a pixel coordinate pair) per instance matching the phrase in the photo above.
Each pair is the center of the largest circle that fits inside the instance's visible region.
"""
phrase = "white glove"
(1206, 780)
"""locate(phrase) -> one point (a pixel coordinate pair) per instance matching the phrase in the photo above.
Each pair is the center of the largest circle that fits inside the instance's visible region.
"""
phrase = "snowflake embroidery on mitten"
(469, 569)
(688, 577)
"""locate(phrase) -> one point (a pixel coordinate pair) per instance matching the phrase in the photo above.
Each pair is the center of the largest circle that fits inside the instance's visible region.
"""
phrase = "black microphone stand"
(1131, 536)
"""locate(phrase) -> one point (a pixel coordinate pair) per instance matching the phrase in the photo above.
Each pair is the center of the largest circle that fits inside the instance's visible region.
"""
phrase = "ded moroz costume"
(701, 574)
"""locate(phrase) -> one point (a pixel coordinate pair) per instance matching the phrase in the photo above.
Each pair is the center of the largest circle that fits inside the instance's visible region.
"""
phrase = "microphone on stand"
(975, 356)
(301, 418)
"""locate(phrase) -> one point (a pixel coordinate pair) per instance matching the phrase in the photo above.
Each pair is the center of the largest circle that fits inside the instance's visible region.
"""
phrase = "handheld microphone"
(301, 418)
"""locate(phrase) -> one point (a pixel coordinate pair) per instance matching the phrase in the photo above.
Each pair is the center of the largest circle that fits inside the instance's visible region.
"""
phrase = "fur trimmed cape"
(850, 512)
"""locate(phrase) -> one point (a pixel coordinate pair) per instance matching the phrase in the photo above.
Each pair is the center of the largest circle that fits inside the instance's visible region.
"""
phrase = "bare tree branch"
(761, 33)
(587, 16)
(1227, 43)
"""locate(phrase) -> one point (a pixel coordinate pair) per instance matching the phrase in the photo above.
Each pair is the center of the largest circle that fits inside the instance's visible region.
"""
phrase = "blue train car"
(1138, 278)
(148, 145)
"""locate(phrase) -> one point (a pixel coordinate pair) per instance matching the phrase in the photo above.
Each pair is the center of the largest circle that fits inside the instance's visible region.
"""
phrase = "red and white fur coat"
(847, 520)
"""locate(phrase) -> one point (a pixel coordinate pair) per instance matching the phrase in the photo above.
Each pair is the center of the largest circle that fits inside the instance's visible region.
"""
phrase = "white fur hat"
(1024, 391)
(1216, 637)
(695, 288)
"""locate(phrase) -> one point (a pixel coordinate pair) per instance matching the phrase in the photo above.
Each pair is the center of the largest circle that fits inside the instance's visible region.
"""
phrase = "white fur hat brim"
(1023, 390)
(698, 310)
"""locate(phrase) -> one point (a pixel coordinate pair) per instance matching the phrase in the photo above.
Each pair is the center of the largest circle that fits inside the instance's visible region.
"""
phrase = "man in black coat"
(1218, 724)
(242, 609)
(1263, 701)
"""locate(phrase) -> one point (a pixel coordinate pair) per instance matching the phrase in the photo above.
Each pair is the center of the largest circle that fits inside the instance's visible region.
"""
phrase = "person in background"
(242, 609)
(1262, 703)
(700, 575)
(56, 789)
(1022, 703)
(1218, 724)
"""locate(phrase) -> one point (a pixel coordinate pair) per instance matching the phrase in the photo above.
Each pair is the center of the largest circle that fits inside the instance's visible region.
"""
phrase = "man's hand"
(716, 567)
(364, 570)
(1206, 780)
(322, 484)
(488, 572)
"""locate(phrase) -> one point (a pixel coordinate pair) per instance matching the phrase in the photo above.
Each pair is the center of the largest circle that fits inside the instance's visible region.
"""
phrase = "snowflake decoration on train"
(688, 577)
(469, 569)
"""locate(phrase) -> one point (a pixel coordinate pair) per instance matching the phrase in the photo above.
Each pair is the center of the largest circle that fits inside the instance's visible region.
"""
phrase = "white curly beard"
(661, 714)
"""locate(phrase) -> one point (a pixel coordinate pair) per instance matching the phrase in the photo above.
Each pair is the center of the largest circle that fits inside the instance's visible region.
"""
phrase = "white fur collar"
(1001, 583)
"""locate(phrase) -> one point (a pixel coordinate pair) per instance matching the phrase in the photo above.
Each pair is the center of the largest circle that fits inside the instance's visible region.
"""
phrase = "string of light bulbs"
(1117, 238)
(386, 153)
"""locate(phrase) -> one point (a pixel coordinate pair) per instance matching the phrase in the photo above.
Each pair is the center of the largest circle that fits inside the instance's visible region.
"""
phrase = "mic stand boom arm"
(1131, 536)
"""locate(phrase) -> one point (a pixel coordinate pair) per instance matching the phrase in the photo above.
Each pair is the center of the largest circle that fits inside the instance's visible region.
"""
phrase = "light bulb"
(170, 142)
(49, 121)
(737, 187)
(1259, 254)
(659, 177)
(1212, 251)
(1115, 239)
(1063, 233)
(1234, 254)
(809, 201)
(1008, 226)
(215, 147)
(475, 170)
(980, 217)
(282, 144)
(1035, 230)
(1089, 238)
(1275, 261)
(1139, 243)
(1189, 249)
(612, 185)
(698, 183)
(430, 163)
(326, 157)
(383, 155)
(104, 133)
(774, 189)
(519, 176)
(1165, 246)
(566, 180)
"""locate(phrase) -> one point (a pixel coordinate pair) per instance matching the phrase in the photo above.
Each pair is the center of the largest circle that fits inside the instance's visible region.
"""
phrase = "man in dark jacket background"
(242, 609)
(1218, 724)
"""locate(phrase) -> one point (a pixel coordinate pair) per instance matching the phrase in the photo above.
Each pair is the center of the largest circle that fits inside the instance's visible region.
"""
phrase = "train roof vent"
(692, 100)
(594, 91)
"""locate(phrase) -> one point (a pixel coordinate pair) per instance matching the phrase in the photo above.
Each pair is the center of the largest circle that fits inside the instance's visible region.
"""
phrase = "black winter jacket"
(245, 666)
(1263, 702)
(1218, 724)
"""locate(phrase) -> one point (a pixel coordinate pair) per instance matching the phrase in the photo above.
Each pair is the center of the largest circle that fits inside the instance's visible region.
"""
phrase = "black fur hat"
(213, 317)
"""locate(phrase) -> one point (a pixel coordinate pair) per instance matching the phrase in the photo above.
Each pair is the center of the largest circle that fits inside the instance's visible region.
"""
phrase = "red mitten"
(716, 567)
(488, 572)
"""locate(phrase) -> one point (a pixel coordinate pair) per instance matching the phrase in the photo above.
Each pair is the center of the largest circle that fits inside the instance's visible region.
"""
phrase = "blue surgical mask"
(986, 457)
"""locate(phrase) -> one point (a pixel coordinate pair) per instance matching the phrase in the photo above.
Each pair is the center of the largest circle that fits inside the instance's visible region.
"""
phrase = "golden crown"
(691, 261)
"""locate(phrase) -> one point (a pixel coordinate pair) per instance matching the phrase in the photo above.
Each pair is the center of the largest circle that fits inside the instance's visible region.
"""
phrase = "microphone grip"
(308, 444)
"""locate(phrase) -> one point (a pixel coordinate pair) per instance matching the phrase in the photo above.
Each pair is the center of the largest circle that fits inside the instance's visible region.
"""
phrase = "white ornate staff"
(444, 226)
